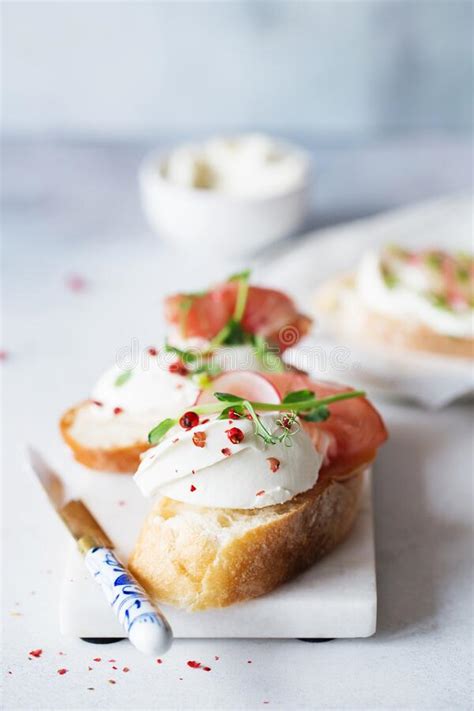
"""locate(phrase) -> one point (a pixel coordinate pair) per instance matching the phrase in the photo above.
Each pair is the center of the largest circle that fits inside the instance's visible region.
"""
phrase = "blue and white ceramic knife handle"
(145, 626)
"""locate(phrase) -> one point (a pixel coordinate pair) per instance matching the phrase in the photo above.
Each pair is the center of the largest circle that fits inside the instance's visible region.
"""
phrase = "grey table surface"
(73, 208)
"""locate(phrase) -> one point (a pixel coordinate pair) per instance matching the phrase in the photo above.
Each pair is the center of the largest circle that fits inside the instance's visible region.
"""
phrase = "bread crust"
(385, 330)
(122, 460)
(197, 558)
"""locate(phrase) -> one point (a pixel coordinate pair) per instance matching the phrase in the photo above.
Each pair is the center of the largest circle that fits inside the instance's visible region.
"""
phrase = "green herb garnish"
(319, 414)
(236, 409)
(242, 294)
(186, 357)
(267, 355)
(201, 380)
(123, 378)
(228, 397)
(232, 334)
(202, 372)
(389, 277)
(158, 432)
(288, 424)
(302, 403)
(434, 260)
(241, 276)
(297, 396)
(440, 301)
(202, 376)
(260, 429)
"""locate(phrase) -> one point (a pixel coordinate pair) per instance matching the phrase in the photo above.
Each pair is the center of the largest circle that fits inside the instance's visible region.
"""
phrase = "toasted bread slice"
(196, 558)
(347, 317)
(122, 459)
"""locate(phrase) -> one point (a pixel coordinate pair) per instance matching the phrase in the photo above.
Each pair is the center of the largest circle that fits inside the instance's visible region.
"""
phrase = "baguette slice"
(123, 459)
(347, 317)
(196, 558)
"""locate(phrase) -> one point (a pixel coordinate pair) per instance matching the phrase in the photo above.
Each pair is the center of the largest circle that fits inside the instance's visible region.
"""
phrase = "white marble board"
(335, 598)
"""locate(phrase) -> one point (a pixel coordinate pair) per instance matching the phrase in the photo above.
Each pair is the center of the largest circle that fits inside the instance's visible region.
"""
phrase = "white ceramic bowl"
(214, 220)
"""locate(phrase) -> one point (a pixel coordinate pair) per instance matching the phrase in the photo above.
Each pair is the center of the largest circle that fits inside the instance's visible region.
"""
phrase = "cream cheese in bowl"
(248, 166)
(229, 195)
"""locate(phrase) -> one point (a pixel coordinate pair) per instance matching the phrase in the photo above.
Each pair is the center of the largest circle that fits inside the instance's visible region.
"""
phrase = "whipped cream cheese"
(247, 475)
(122, 413)
(251, 165)
(409, 291)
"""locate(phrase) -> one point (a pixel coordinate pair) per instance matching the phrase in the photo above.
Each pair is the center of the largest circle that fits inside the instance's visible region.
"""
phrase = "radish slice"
(252, 386)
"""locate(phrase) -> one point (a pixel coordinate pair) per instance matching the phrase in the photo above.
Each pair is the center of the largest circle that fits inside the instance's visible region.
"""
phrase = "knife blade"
(79, 521)
(145, 625)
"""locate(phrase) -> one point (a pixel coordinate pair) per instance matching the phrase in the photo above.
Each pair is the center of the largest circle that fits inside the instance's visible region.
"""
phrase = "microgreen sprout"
(232, 333)
(122, 378)
(302, 403)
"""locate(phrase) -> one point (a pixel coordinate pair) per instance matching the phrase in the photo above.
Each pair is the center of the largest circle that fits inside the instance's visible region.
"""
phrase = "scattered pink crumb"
(63, 654)
(75, 282)
(121, 503)
(90, 668)
(97, 659)
(114, 667)
(36, 653)
(217, 658)
(3, 355)
(197, 665)
(125, 669)
(62, 671)
(159, 661)
(112, 661)
(112, 681)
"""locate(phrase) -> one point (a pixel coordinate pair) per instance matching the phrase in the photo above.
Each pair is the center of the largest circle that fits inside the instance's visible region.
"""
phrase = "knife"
(146, 627)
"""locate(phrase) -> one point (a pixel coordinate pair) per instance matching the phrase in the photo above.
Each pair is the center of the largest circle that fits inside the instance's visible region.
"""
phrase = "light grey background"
(365, 67)
(73, 208)
(341, 77)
